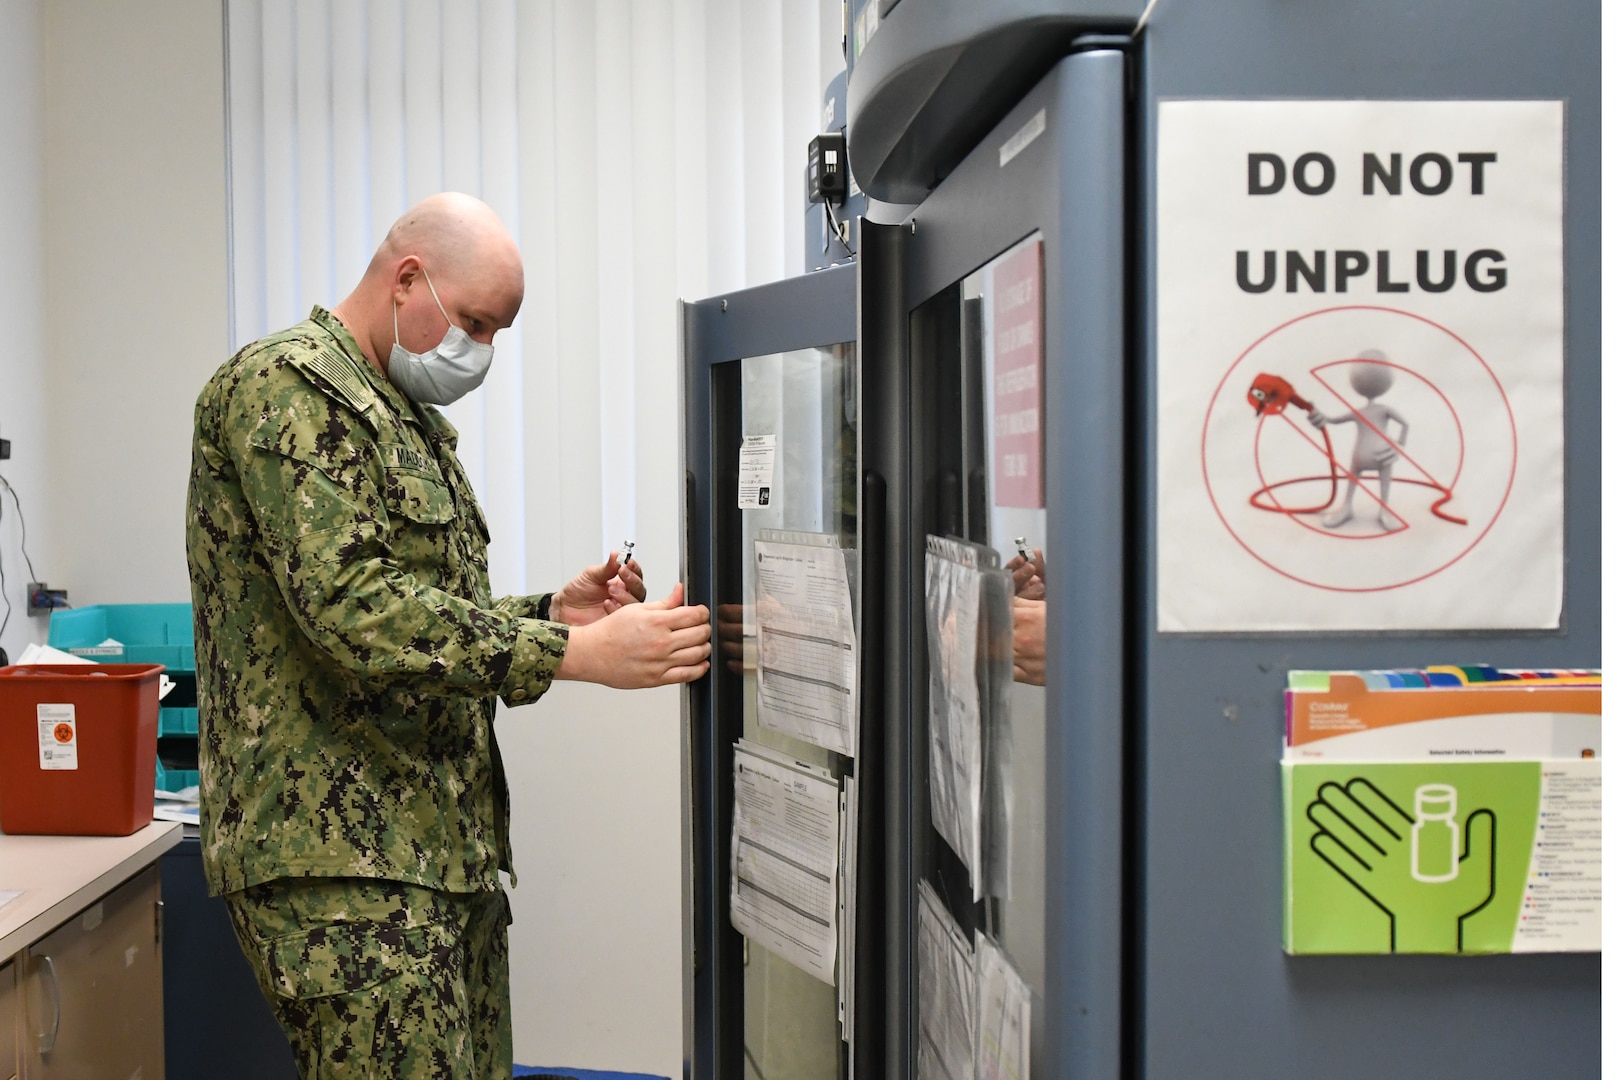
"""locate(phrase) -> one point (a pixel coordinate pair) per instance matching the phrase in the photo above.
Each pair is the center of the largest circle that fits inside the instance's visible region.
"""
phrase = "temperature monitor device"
(828, 174)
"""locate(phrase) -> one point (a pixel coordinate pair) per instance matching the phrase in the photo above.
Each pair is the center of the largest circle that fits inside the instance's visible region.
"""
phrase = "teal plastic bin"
(146, 634)
(174, 778)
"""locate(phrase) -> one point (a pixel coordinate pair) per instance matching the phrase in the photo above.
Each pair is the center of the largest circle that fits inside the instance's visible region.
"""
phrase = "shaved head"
(458, 244)
(452, 232)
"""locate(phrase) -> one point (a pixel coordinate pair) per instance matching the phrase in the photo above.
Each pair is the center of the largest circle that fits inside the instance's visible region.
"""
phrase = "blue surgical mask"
(450, 370)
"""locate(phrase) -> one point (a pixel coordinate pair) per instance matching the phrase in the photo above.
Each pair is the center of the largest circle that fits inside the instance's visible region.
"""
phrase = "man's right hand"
(661, 643)
(731, 637)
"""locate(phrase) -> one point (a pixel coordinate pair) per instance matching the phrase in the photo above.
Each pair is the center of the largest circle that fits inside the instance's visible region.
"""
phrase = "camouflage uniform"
(382, 979)
(348, 647)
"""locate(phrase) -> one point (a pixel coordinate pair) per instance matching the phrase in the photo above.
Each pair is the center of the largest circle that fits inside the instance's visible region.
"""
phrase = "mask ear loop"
(436, 300)
(395, 304)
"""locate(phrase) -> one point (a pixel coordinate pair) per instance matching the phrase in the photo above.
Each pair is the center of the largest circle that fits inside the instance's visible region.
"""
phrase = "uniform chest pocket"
(420, 498)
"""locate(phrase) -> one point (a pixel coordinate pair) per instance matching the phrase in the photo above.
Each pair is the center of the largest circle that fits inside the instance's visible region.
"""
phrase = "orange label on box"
(1348, 706)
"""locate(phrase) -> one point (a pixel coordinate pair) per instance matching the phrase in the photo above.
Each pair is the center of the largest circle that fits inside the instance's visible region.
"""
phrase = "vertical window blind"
(639, 150)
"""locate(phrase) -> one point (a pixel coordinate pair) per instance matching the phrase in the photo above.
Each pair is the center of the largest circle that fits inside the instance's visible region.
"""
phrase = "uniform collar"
(425, 416)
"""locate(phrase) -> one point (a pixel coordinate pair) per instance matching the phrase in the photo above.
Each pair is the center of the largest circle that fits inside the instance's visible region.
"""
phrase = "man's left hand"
(597, 591)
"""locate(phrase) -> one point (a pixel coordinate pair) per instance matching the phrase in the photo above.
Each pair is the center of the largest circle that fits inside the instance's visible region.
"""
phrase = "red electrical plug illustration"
(1270, 393)
(1376, 452)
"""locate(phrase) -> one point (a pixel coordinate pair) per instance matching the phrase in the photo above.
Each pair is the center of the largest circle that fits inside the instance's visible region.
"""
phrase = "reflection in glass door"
(789, 640)
(980, 344)
(1003, 369)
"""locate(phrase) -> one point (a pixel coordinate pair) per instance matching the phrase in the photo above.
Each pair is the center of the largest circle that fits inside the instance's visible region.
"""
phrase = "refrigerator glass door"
(981, 343)
(769, 462)
(801, 405)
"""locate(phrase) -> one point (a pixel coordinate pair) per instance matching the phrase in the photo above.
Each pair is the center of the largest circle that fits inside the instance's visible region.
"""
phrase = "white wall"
(22, 312)
(112, 290)
(134, 284)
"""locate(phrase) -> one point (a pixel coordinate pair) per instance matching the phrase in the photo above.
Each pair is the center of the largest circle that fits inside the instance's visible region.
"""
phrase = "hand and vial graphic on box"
(1443, 811)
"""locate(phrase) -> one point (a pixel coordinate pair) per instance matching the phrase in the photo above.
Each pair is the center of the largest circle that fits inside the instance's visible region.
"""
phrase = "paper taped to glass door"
(1003, 1013)
(784, 858)
(945, 993)
(969, 598)
(808, 657)
(847, 886)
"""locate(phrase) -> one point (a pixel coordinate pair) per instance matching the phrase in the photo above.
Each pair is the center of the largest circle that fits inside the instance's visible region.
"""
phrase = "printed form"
(945, 992)
(847, 884)
(955, 729)
(1004, 1006)
(807, 649)
(784, 858)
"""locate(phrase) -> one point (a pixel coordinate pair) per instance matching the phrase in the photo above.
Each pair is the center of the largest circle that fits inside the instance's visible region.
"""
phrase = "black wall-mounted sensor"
(828, 173)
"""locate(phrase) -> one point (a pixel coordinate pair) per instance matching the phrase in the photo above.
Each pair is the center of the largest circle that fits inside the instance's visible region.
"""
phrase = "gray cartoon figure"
(1374, 451)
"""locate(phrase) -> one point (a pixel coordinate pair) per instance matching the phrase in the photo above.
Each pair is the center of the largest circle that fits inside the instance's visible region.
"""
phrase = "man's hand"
(598, 591)
(731, 636)
(1029, 641)
(1029, 575)
(639, 645)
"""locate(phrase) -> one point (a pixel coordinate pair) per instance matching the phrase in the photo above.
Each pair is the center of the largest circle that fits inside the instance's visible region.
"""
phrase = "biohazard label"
(58, 737)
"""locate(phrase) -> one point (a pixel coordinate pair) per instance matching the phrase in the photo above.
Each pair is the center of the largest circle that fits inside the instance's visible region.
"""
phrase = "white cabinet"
(10, 1019)
(93, 991)
(81, 965)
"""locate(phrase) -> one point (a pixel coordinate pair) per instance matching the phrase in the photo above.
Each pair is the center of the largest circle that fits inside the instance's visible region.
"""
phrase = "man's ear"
(406, 271)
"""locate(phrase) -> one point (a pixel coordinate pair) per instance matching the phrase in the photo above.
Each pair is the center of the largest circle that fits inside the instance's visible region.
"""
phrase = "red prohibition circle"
(1513, 461)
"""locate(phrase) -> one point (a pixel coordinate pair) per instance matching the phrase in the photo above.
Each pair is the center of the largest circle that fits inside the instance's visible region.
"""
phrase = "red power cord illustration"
(1271, 395)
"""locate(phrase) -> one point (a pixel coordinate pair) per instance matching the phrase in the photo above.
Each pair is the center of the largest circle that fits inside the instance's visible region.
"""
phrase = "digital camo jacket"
(348, 649)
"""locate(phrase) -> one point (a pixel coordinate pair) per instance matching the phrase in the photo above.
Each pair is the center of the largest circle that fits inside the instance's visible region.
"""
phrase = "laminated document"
(1003, 1014)
(955, 739)
(1442, 816)
(1000, 767)
(969, 605)
(946, 981)
(808, 655)
(784, 858)
(849, 832)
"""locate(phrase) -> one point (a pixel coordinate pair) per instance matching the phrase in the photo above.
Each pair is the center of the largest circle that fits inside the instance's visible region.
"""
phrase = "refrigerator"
(1107, 227)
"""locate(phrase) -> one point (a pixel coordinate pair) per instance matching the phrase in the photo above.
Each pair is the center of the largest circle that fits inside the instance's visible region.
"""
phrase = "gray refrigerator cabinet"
(1159, 950)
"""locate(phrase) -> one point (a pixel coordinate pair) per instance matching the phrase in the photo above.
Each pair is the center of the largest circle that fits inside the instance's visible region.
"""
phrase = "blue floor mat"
(580, 1074)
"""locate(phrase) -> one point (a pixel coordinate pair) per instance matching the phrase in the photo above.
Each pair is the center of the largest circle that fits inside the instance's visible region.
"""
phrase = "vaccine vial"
(1435, 837)
(1023, 548)
(624, 551)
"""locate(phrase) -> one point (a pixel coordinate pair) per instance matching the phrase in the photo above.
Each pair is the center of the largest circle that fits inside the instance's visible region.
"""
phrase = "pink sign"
(1019, 390)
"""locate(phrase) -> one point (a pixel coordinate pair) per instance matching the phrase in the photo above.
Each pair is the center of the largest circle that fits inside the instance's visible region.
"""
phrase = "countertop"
(59, 876)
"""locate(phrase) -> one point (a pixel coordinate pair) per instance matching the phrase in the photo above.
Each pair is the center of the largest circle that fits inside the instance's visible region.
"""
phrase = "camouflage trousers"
(373, 978)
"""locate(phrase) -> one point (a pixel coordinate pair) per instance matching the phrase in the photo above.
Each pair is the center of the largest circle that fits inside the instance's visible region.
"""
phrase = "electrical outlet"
(42, 600)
